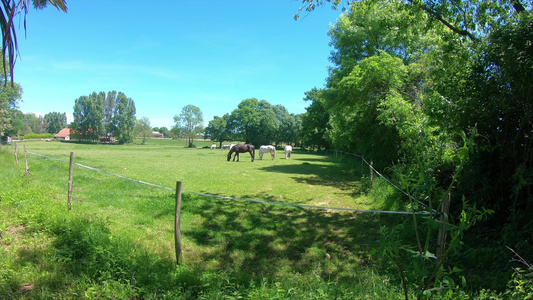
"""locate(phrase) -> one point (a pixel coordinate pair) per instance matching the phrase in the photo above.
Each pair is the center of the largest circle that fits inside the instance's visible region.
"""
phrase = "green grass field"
(118, 240)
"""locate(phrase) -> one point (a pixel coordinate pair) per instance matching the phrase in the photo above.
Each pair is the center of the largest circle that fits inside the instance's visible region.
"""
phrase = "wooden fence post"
(26, 160)
(70, 181)
(441, 238)
(371, 173)
(16, 153)
(177, 223)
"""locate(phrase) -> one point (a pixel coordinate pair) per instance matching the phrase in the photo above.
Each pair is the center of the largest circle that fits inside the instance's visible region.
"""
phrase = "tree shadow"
(263, 239)
(321, 175)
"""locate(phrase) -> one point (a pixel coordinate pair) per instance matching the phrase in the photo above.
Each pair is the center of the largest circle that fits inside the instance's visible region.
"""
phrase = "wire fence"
(383, 177)
(252, 200)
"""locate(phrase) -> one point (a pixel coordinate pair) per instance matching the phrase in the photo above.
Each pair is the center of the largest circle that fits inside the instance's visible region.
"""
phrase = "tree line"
(256, 122)
(439, 95)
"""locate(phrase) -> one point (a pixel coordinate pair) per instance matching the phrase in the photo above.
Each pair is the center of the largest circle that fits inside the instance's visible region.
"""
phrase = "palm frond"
(9, 10)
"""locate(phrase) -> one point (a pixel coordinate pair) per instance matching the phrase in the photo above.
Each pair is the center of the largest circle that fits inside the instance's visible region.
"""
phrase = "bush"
(38, 136)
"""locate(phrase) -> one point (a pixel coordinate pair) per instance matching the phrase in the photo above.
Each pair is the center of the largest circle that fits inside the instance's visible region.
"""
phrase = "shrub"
(38, 136)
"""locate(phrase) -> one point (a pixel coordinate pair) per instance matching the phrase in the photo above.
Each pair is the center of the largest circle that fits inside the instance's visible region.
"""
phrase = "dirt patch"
(27, 287)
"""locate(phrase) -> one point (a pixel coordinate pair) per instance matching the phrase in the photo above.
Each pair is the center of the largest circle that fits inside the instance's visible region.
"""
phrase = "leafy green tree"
(498, 104)
(217, 129)
(242, 118)
(9, 98)
(438, 92)
(464, 18)
(119, 116)
(264, 127)
(315, 122)
(110, 109)
(142, 129)
(164, 131)
(17, 124)
(124, 119)
(255, 122)
(288, 125)
(10, 10)
(190, 122)
(175, 132)
(56, 121)
(88, 114)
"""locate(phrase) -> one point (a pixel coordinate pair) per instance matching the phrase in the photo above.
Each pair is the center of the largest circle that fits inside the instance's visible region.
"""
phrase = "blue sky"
(167, 54)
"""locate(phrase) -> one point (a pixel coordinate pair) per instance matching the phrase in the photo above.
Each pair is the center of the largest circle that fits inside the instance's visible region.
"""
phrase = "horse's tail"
(274, 152)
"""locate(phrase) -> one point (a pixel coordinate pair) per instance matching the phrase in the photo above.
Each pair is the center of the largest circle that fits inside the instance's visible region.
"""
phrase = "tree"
(110, 111)
(471, 19)
(89, 116)
(9, 98)
(100, 115)
(440, 93)
(265, 126)
(124, 119)
(119, 116)
(10, 9)
(254, 121)
(56, 121)
(218, 130)
(142, 129)
(164, 131)
(190, 122)
(288, 125)
(315, 122)
(241, 119)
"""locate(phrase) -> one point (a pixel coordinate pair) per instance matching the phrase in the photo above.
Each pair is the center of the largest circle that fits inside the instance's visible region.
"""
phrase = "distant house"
(63, 134)
(157, 134)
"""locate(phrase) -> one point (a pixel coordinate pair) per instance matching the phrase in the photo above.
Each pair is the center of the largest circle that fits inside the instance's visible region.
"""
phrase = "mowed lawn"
(306, 178)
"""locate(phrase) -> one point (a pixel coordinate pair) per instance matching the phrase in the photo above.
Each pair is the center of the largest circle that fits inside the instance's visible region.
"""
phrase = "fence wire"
(386, 179)
(240, 199)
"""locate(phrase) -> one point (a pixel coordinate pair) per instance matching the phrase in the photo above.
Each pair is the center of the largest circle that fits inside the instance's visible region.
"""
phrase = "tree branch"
(436, 15)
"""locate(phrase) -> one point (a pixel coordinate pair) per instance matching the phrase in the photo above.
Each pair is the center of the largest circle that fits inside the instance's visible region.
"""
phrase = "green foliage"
(142, 129)
(217, 129)
(315, 120)
(124, 119)
(88, 123)
(189, 122)
(56, 121)
(98, 115)
(10, 95)
(38, 136)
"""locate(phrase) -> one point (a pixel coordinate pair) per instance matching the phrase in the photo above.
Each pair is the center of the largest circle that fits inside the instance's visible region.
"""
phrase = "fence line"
(239, 199)
(386, 179)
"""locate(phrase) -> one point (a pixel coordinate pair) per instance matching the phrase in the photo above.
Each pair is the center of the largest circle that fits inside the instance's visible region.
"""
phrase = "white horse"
(214, 146)
(269, 148)
(227, 146)
(288, 151)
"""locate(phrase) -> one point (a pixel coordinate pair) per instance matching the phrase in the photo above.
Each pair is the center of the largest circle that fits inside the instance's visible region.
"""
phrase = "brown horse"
(241, 149)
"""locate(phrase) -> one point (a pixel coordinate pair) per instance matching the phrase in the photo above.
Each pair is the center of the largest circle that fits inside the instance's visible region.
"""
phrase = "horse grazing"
(288, 151)
(269, 148)
(214, 146)
(239, 148)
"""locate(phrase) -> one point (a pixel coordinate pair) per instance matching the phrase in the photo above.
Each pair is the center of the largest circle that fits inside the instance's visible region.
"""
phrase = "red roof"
(63, 133)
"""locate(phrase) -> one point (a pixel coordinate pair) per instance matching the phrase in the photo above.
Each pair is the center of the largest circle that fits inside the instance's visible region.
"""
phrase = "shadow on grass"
(320, 175)
(269, 241)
